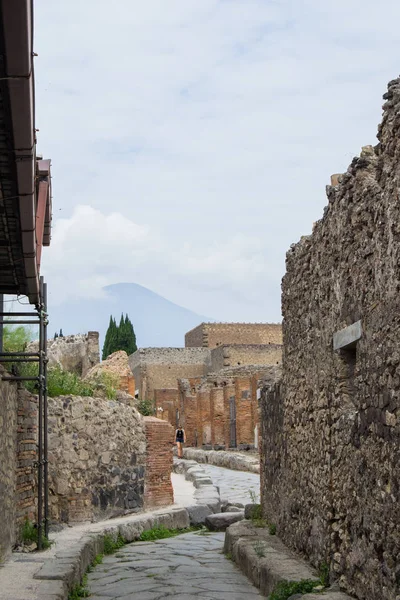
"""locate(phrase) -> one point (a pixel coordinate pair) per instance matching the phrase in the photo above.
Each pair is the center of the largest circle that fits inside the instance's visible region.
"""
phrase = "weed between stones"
(29, 534)
(284, 589)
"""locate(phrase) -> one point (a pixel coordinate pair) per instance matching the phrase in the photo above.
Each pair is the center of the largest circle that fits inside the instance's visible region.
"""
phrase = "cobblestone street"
(185, 567)
(188, 566)
(234, 486)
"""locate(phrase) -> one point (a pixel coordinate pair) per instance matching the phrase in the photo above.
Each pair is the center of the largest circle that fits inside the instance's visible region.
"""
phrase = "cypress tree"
(119, 337)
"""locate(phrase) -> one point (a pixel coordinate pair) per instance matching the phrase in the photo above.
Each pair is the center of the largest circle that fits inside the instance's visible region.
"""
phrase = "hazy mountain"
(157, 321)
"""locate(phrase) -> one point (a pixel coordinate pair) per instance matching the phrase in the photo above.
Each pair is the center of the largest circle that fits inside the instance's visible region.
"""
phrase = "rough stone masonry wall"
(245, 354)
(211, 335)
(75, 353)
(97, 456)
(331, 431)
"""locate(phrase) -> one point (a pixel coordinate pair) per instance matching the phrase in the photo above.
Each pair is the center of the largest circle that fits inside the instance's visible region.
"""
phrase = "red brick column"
(244, 412)
(26, 500)
(217, 416)
(159, 443)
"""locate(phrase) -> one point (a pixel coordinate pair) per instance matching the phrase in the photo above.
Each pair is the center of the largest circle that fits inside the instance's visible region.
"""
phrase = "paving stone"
(220, 521)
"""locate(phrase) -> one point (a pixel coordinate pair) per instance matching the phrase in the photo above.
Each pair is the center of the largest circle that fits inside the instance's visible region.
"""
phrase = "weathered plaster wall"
(245, 354)
(331, 431)
(97, 456)
(211, 335)
(75, 353)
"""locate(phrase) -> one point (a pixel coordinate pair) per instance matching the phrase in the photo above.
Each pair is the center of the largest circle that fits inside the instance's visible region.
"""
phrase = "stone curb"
(60, 574)
(206, 493)
(221, 458)
(244, 543)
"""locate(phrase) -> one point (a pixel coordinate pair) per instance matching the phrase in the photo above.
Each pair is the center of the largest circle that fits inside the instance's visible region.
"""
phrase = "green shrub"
(80, 591)
(111, 545)
(285, 589)
(272, 528)
(146, 408)
(29, 534)
(324, 574)
(161, 532)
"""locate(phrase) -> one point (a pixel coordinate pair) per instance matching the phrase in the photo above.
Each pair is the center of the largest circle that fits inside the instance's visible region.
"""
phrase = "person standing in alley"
(180, 438)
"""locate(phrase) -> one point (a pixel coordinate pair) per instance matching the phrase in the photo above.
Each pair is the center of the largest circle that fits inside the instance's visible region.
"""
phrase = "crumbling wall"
(331, 431)
(117, 366)
(245, 354)
(74, 353)
(97, 457)
(160, 368)
(211, 335)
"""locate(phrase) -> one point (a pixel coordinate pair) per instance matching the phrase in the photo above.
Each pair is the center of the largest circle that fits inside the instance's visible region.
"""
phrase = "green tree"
(119, 337)
(16, 339)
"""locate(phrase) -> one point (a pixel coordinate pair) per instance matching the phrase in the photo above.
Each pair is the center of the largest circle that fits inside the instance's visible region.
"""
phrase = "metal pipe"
(20, 322)
(17, 314)
(20, 378)
(27, 354)
(40, 428)
(19, 360)
(45, 432)
(1, 326)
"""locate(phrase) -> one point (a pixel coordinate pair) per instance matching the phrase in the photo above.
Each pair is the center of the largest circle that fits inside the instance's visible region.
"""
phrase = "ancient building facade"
(221, 409)
(211, 335)
(236, 355)
(160, 368)
(331, 428)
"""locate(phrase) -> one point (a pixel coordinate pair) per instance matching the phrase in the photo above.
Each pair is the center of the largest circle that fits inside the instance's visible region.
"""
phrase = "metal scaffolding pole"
(45, 423)
(40, 423)
(37, 318)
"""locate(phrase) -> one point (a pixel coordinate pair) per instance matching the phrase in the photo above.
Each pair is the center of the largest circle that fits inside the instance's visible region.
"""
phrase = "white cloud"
(213, 124)
(91, 250)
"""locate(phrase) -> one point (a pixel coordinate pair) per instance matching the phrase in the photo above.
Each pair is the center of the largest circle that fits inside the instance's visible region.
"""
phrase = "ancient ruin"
(330, 439)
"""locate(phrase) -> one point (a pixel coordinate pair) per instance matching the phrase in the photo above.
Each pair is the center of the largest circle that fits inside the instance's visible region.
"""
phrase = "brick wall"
(18, 440)
(8, 465)
(211, 335)
(159, 444)
(245, 354)
(205, 405)
(26, 491)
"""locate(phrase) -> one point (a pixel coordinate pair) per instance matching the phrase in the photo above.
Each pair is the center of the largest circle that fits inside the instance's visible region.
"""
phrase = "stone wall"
(97, 456)
(117, 366)
(245, 354)
(160, 368)
(18, 439)
(75, 353)
(166, 405)
(211, 335)
(159, 458)
(331, 430)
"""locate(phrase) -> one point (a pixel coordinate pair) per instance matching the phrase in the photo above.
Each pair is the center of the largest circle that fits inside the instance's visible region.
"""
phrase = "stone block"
(347, 338)
(198, 513)
(220, 521)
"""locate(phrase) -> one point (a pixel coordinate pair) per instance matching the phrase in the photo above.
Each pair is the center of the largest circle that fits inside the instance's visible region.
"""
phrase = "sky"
(192, 140)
